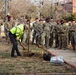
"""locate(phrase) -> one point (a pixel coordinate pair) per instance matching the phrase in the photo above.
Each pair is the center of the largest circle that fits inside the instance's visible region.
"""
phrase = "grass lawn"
(28, 65)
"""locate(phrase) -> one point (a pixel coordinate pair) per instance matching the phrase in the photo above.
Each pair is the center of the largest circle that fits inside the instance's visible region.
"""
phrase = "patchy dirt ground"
(28, 65)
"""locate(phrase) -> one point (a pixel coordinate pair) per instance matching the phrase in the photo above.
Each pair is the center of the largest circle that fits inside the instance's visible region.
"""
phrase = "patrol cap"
(28, 21)
(36, 18)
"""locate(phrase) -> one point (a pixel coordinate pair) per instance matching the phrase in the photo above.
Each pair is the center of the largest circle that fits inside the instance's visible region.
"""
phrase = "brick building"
(70, 5)
(74, 6)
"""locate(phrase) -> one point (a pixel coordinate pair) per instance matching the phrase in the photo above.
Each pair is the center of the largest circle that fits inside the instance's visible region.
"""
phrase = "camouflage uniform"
(39, 33)
(51, 35)
(75, 37)
(63, 36)
(55, 35)
(60, 33)
(35, 26)
(46, 34)
(25, 35)
(69, 33)
(8, 26)
(72, 31)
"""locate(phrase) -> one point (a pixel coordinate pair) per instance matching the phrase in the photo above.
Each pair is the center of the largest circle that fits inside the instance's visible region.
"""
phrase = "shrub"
(73, 15)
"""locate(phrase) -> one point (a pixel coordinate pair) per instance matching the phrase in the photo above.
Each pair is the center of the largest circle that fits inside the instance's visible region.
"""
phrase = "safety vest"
(18, 30)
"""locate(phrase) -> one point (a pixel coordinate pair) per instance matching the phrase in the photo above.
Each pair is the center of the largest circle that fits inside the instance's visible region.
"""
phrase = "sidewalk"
(68, 56)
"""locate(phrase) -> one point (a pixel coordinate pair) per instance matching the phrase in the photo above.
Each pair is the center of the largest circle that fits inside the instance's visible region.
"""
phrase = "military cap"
(36, 18)
(40, 20)
(47, 19)
(28, 21)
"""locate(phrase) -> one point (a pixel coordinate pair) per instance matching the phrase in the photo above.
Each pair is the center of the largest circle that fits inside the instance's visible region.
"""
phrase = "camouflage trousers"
(51, 40)
(25, 35)
(7, 37)
(73, 41)
(62, 41)
(38, 38)
(45, 36)
(34, 39)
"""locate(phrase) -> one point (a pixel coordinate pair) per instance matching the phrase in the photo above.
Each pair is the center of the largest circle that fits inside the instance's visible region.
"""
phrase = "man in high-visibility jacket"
(14, 33)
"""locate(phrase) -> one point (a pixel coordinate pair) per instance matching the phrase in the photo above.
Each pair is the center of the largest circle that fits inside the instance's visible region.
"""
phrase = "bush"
(73, 15)
(67, 17)
(70, 17)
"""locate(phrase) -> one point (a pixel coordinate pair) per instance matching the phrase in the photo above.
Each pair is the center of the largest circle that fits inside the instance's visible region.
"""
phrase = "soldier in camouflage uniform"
(60, 33)
(51, 33)
(8, 26)
(35, 26)
(40, 31)
(75, 37)
(25, 35)
(55, 34)
(72, 34)
(70, 24)
(46, 34)
(63, 36)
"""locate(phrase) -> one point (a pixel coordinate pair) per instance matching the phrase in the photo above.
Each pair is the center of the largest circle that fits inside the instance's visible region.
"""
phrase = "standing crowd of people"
(57, 34)
(43, 32)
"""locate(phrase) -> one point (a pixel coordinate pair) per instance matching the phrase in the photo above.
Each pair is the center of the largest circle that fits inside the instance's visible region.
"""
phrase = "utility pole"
(6, 9)
(51, 14)
(41, 5)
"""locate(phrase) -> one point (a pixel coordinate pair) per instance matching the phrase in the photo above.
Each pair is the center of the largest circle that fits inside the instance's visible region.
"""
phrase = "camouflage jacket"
(46, 27)
(35, 25)
(72, 30)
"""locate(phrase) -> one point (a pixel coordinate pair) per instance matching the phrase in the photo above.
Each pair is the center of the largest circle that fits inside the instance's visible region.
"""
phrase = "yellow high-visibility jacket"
(18, 30)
